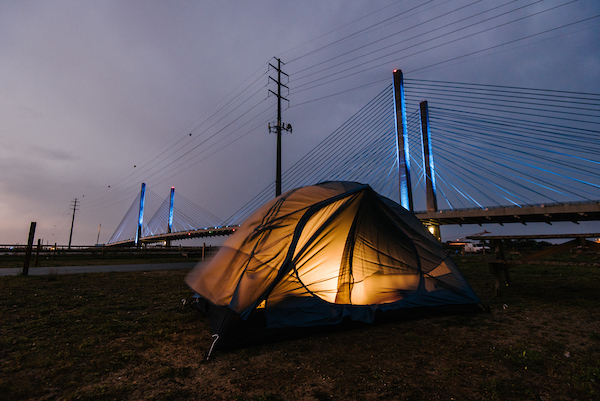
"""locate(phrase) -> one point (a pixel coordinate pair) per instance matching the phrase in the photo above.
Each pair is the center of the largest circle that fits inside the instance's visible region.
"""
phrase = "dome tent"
(318, 255)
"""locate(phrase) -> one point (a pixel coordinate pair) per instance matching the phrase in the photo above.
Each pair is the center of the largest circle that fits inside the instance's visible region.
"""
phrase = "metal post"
(429, 166)
(405, 186)
(29, 248)
(138, 234)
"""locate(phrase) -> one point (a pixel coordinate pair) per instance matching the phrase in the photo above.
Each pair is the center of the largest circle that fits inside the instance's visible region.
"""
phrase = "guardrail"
(102, 250)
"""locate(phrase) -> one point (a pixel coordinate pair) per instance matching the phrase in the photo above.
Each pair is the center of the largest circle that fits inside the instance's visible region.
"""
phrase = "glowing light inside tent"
(383, 288)
(374, 289)
(319, 264)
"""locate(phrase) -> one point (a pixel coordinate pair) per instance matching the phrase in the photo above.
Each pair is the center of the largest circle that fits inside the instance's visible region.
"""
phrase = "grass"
(128, 336)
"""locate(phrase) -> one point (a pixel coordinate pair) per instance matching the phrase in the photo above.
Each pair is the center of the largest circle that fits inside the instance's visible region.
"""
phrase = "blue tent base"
(239, 333)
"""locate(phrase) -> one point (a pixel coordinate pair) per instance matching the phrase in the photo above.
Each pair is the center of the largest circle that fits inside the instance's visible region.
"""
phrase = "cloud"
(89, 89)
(53, 155)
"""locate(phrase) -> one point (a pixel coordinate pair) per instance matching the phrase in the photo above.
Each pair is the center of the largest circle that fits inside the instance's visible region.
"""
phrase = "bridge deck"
(201, 233)
(574, 212)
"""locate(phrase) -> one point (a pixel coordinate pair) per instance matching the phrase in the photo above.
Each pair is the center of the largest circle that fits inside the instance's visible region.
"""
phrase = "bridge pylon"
(405, 186)
(429, 168)
(170, 223)
(138, 233)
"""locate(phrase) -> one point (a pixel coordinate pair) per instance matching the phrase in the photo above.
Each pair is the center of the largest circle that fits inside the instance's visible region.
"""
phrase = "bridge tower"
(429, 168)
(138, 233)
(405, 186)
(171, 208)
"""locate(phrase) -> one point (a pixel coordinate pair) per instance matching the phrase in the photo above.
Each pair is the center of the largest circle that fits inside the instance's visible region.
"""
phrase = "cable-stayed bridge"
(469, 154)
(170, 220)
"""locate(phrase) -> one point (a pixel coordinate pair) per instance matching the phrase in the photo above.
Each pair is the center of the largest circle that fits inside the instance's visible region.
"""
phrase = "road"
(41, 271)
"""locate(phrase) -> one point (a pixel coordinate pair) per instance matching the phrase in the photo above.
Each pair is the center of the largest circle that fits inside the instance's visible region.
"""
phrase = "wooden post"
(500, 255)
(500, 266)
(29, 248)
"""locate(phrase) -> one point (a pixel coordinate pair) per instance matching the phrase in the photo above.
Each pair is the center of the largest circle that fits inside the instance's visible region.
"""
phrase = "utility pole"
(29, 248)
(98, 238)
(73, 221)
(280, 126)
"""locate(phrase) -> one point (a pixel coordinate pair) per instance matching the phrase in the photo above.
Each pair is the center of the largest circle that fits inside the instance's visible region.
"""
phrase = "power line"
(337, 29)
(161, 155)
(346, 71)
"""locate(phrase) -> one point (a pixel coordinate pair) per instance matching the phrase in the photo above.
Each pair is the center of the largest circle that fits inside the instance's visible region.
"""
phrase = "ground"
(128, 336)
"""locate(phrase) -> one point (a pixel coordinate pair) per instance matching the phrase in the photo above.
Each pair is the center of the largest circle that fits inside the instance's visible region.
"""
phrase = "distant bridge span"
(200, 233)
(549, 213)
(572, 212)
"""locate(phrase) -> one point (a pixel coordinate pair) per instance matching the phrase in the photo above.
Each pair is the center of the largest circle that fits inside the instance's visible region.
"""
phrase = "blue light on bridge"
(405, 195)
(429, 152)
(171, 209)
(138, 232)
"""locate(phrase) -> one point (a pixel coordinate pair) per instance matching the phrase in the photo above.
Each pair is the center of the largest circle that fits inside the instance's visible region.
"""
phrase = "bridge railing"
(52, 251)
(547, 204)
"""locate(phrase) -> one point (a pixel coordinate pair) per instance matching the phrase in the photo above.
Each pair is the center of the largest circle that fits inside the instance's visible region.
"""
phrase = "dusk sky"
(97, 97)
